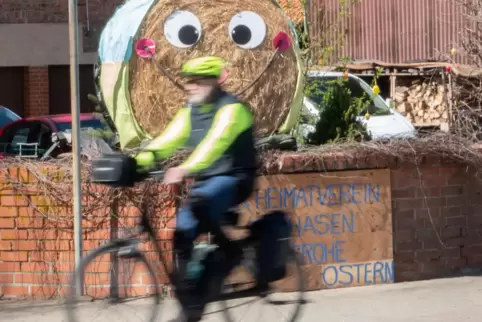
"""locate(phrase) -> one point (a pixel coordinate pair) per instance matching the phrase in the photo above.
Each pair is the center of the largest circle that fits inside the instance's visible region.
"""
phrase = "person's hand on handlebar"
(174, 175)
(145, 161)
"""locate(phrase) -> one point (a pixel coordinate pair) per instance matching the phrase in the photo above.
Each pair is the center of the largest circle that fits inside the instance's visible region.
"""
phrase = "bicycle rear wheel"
(243, 301)
(115, 276)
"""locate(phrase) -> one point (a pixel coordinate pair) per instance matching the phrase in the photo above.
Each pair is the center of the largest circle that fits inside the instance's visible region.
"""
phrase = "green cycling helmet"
(209, 66)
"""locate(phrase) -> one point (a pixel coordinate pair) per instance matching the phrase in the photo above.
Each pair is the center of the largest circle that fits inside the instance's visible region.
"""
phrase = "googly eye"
(247, 29)
(182, 29)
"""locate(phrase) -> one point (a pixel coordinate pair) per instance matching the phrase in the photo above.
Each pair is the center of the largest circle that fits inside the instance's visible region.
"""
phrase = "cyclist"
(219, 129)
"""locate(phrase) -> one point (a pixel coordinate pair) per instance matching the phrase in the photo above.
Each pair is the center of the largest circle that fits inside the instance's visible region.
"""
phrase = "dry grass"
(155, 99)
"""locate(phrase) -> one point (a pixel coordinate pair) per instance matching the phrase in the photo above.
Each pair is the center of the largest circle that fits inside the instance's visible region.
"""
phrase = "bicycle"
(128, 248)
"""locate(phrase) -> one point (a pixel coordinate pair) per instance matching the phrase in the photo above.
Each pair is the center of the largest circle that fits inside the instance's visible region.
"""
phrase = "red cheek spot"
(145, 47)
(282, 41)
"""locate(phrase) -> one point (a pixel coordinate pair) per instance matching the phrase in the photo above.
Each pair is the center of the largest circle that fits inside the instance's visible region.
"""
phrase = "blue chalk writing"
(330, 195)
(322, 224)
(319, 253)
(365, 273)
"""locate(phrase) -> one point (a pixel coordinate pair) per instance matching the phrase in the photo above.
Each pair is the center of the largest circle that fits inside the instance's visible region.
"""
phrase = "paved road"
(443, 300)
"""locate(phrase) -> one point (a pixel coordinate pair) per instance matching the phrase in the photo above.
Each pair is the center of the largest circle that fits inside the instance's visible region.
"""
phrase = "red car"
(32, 136)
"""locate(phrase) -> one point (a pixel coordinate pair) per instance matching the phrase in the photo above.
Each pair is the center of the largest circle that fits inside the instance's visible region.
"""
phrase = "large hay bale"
(154, 99)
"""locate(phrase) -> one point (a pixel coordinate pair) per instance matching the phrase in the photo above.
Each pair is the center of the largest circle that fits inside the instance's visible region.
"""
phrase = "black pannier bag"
(273, 231)
(118, 170)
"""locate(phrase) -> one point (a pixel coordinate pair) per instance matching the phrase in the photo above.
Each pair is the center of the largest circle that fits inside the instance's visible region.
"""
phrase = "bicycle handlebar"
(157, 175)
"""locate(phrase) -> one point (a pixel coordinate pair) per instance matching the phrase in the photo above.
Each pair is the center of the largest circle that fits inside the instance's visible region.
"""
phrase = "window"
(7, 116)
(20, 136)
(44, 138)
(67, 126)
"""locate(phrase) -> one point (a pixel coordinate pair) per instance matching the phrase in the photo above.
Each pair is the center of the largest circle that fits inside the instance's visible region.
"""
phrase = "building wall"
(34, 35)
(392, 31)
(36, 91)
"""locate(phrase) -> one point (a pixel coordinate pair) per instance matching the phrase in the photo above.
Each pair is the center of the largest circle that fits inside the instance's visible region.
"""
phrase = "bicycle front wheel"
(119, 285)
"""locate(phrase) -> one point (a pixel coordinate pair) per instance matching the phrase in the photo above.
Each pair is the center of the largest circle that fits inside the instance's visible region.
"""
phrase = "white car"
(384, 123)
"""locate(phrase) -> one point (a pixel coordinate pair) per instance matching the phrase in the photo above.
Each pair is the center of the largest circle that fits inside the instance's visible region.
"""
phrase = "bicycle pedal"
(128, 252)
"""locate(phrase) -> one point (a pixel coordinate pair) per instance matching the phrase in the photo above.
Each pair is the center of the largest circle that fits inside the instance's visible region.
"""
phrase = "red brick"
(103, 234)
(6, 278)
(171, 223)
(41, 278)
(406, 256)
(408, 246)
(405, 223)
(427, 192)
(64, 267)
(432, 181)
(13, 201)
(406, 267)
(452, 232)
(455, 263)
(453, 190)
(13, 256)
(9, 290)
(66, 256)
(26, 222)
(44, 291)
(471, 250)
(42, 234)
(57, 245)
(25, 245)
(9, 267)
(474, 260)
(455, 242)
(98, 279)
(91, 244)
(456, 201)
(43, 256)
(456, 221)
(433, 267)
(452, 211)
(5, 245)
(428, 255)
(457, 179)
(426, 234)
(434, 202)
(99, 267)
(36, 89)
(406, 182)
(7, 223)
(9, 212)
(428, 218)
(403, 193)
(412, 203)
(453, 252)
(35, 267)
(404, 235)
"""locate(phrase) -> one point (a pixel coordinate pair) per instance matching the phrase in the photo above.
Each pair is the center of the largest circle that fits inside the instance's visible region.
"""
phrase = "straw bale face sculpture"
(253, 36)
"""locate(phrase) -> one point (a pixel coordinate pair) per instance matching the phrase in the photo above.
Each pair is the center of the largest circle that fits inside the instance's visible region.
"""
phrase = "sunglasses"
(200, 81)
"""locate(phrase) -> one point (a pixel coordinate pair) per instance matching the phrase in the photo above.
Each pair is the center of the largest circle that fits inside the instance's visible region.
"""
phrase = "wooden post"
(393, 84)
(450, 101)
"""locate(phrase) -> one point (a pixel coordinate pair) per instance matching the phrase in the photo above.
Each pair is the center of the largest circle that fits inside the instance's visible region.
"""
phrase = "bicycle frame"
(129, 244)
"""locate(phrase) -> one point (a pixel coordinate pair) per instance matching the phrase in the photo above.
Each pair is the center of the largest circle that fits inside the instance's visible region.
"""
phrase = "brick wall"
(57, 12)
(37, 243)
(36, 91)
(437, 221)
